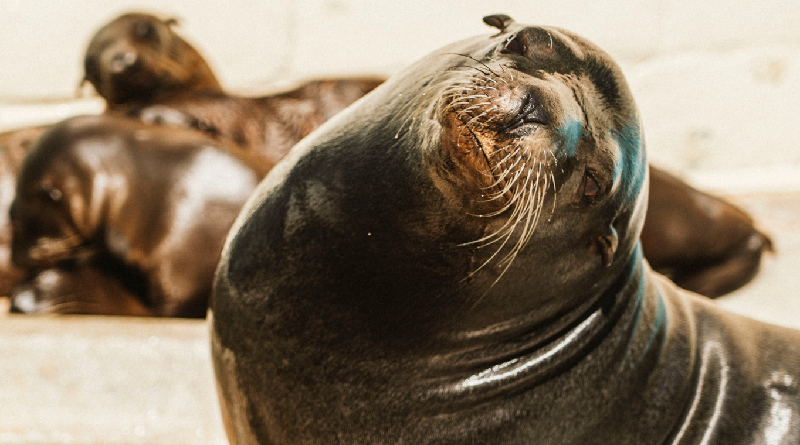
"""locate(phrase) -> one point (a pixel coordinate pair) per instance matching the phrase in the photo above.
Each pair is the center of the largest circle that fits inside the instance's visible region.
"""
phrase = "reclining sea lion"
(155, 201)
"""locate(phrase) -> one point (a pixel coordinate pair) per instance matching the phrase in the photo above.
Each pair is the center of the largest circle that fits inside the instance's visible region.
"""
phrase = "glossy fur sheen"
(150, 205)
(355, 302)
(138, 57)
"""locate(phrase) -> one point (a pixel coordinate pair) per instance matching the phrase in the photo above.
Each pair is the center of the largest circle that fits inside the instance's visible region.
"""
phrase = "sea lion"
(138, 57)
(157, 202)
(701, 242)
(455, 259)
(77, 289)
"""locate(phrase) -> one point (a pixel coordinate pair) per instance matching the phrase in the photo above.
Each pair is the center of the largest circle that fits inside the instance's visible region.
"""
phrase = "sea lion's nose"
(122, 60)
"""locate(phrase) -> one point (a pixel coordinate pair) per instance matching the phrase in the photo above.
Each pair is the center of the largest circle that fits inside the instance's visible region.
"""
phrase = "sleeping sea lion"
(155, 201)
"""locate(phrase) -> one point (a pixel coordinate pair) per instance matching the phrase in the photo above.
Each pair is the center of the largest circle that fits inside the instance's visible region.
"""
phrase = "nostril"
(515, 45)
(122, 61)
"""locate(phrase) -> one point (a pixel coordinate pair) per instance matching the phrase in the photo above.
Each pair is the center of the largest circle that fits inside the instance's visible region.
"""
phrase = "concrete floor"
(97, 380)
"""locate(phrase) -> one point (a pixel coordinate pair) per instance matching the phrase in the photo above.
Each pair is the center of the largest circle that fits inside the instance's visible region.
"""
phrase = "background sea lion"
(701, 242)
(155, 201)
(138, 57)
(456, 259)
(133, 58)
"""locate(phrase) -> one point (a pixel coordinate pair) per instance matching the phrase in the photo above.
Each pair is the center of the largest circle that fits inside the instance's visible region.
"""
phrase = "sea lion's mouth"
(497, 138)
(486, 167)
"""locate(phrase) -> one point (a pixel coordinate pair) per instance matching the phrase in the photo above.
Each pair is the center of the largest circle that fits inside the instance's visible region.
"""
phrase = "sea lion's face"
(138, 55)
(44, 231)
(499, 180)
(540, 140)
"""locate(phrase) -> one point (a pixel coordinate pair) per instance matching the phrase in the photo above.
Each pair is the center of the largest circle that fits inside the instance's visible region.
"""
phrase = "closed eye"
(529, 113)
(144, 30)
(515, 45)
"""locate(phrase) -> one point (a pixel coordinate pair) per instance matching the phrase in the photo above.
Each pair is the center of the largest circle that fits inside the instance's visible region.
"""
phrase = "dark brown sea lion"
(143, 69)
(132, 59)
(78, 289)
(703, 243)
(455, 259)
(138, 57)
(155, 201)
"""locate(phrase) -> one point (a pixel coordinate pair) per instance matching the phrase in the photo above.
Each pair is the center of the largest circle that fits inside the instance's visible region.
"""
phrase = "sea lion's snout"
(137, 56)
(122, 61)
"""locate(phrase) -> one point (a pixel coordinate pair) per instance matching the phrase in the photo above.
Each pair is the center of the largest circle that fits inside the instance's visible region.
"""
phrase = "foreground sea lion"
(138, 58)
(154, 201)
(456, 260)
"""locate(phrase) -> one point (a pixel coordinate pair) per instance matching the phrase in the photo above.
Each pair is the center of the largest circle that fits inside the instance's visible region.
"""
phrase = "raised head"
(460, 233)
(138, 57)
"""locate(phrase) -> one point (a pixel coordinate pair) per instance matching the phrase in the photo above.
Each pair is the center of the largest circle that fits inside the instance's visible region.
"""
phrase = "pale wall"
(717, 81)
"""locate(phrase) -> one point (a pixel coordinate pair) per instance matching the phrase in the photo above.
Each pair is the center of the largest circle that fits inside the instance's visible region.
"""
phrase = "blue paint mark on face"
(633, 154)
(571, 133)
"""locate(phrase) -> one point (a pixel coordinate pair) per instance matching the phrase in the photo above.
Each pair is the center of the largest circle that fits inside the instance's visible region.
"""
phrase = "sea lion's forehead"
(543, 48)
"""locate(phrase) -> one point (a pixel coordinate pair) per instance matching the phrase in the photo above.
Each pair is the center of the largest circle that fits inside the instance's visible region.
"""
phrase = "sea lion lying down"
(149, 205)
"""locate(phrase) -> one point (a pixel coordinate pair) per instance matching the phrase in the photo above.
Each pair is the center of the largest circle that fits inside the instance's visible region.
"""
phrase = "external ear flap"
(607, 246)
(499, 21)
(172, 21)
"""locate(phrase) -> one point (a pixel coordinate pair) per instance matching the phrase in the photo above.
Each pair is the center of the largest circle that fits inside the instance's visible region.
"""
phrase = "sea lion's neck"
(499, 365)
